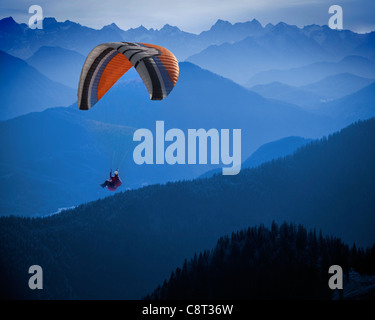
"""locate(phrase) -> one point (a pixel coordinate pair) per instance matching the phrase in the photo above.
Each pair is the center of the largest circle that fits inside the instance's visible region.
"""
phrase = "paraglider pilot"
(113, 182)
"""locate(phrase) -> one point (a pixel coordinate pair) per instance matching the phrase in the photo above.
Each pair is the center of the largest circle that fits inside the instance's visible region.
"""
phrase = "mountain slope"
(289, 94)
(274, 150)
(23, 89)
(312, 95)
(358, 105)
(55, 159)
(129, 242)
(338, 85)
(58, 64)
(267, 152)
(367, 47)
(356, 65)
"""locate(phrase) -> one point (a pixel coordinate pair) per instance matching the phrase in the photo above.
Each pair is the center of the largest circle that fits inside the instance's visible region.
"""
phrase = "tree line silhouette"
(281, 262)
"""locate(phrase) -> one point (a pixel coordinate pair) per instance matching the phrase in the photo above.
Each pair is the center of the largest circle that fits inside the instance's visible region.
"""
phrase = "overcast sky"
(194, 15)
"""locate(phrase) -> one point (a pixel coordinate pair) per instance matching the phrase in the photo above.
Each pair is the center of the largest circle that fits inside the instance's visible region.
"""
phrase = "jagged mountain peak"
(168, 28)
(112, 26)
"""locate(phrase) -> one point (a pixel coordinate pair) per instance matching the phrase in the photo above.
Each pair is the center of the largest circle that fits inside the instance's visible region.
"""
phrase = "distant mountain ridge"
(23, 42)
(305, 75)
(312, 95)
(58, 64)
(281, 47)
(23, 89)
(19, 40)
(338, 85)
(360, 104)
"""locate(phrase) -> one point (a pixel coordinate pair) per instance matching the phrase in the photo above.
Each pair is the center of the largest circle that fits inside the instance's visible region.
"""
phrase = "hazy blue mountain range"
(355, 65)
(19, 40)
(312, 95)
(23, 89)
(338, 85)
(204, 100)
(299, 56)
(58, 64)
(282, 45)
(340, 42)
(360, 104)
(201, 100)
(129, 243)
(310, 82)
(184, 44)
(289, 94)
(267, 152)
(54, 159)
(224, 31)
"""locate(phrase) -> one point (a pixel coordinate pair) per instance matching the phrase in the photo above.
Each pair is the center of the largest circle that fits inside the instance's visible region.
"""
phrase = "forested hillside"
(125, 245)
(281, 262)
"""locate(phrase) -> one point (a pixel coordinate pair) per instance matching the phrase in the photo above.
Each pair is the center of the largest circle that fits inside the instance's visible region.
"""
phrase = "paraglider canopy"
(108, 62)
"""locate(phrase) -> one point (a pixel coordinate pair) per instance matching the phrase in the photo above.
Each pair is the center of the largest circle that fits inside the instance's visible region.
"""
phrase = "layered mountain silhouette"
(129, 243)
(263, 55)
(201, 100)
(19, 40)
(55, 159)
(311, 96)
(355, 65)
(23, 89)
(339, 42)
(290, 94)
(309, 82)
(317, 41)
(356, 105)
(204, 100)
(58, 64)
(268, 152)
(282, 45)
(338, 85)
